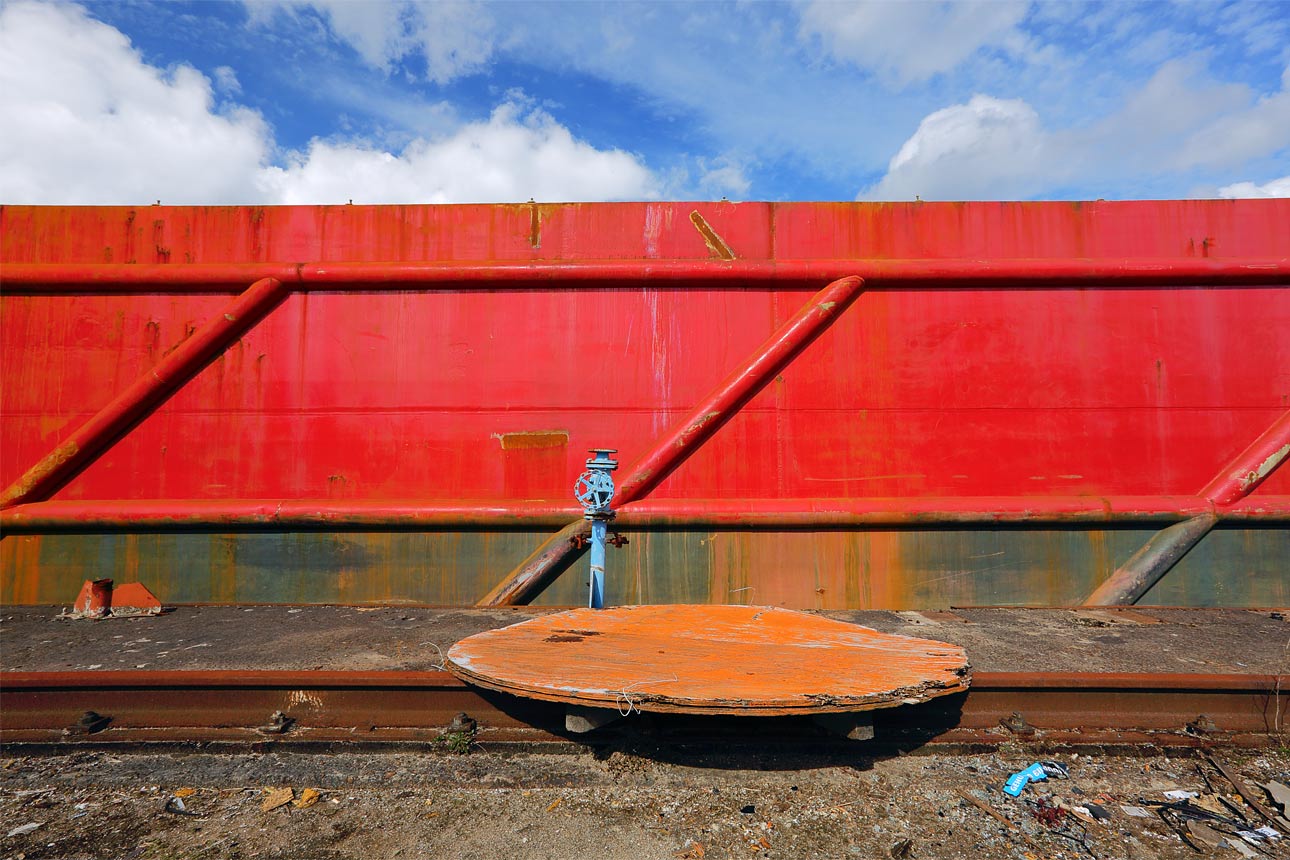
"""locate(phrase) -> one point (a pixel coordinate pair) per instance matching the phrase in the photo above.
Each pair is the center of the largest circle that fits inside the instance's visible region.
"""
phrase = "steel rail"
(1033, 273)
(364, 705)
(755, 513)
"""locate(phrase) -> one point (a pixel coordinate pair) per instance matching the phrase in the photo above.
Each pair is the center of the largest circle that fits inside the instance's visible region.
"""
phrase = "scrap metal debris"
(277, 797)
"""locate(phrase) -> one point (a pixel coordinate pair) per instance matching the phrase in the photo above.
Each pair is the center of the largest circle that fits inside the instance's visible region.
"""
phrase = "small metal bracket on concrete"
(853, 726)
(580, 720)
(99, 598)
(278, 724)
(91, 722)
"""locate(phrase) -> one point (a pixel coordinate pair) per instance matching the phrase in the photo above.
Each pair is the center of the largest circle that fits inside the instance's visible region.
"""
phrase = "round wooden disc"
(708, 660)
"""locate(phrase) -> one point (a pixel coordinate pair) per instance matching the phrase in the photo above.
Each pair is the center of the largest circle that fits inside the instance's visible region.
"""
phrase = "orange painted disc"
(708, 660)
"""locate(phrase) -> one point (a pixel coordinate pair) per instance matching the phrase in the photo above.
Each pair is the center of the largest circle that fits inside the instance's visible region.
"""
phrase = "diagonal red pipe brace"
(149, 391)
(1238, 479)
(1252, 466)
(722, 403)
(734, 392)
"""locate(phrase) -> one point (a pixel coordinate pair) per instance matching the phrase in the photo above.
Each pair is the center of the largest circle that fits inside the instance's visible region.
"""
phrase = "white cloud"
(1258, 127)
(226, 81)
(722, 177)
(1178, 121)
(1271, 188)
(87, 121)
(911, 42)
(1263, 27)
(513, 156)
(455, 37)
(987, 149)
(1181, 118)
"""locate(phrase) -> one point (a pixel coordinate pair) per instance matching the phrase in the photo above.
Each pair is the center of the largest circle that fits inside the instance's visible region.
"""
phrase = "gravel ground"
(604, 803)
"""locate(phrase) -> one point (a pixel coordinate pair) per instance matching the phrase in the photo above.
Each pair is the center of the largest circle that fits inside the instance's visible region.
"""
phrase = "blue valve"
(594, 490)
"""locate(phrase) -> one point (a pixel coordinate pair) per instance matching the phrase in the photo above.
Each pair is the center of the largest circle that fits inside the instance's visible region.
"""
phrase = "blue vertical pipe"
(598, 530)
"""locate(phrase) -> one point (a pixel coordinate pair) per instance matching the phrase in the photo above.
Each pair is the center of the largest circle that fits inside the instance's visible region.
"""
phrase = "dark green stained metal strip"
(1229, 567)
(836, 569)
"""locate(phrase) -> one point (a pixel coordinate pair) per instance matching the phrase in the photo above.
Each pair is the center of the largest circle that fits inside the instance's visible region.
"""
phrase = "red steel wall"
(407, 394)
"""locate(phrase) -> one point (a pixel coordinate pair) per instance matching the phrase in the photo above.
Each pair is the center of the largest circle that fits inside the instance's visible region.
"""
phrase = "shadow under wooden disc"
(699, 659)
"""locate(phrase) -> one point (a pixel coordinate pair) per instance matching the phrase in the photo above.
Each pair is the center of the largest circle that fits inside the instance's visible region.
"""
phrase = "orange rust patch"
(22, 487)
(715, 243)
(51, 425)
(709, 660)
(533, 439)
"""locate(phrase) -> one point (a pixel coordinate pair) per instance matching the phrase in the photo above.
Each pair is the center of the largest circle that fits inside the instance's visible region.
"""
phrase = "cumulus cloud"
(517, 154)
(987, 149)
(455, 37)
(722, 177)
(87, 121)
(1253, 128)
(1178, 121)
(911, 42)
(1271, 188)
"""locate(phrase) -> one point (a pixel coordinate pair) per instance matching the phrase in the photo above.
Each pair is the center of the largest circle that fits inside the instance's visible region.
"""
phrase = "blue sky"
(391, 101)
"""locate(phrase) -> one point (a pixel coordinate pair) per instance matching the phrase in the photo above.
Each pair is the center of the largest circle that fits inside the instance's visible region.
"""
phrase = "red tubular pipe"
(76, 278)
(734, 392)
(1252, 466)
(285, 514)
(55, 516)
(1166, 548)
(948, 511)
(545, 563)
(151, 389)
(1058, 272)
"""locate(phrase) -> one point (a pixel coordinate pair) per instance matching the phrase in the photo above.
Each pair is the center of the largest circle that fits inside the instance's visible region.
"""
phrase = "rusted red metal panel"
(1093, 409)
(927, 396)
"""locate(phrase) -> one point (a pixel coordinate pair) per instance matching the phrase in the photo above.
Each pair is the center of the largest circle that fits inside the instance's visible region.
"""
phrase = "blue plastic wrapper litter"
(1055, 769)
(1021, 778)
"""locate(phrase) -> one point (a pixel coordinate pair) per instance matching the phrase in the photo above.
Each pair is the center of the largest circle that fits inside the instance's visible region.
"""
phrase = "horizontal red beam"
(74, 278)
(656, 514)
(941, 510)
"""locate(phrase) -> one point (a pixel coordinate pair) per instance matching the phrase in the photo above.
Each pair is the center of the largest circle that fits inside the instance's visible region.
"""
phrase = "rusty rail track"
(1105, 709)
